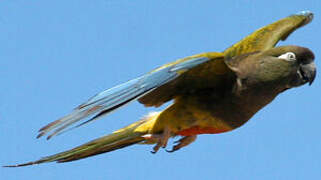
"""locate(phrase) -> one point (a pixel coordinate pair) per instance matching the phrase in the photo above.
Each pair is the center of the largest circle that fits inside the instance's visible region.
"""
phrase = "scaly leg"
(183, 142)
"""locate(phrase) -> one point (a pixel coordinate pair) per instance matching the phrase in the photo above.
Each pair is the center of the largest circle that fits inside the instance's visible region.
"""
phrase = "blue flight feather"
(115, 97)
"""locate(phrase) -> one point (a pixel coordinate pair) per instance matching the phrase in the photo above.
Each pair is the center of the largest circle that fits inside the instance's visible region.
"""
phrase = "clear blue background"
(56, 54)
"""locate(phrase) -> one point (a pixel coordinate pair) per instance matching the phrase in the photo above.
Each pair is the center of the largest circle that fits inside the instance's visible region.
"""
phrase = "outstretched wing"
(268, 36)
(116, 97)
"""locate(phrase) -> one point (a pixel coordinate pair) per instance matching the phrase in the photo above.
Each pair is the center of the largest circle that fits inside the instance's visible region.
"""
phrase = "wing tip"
(43, 133)
(48, 126)
(308, 14)
(50, 136)
(40, 135)
(305, 13)
(20, 165)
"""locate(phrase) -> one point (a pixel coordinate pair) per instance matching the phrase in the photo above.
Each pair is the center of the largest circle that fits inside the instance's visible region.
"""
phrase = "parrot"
(211, 93)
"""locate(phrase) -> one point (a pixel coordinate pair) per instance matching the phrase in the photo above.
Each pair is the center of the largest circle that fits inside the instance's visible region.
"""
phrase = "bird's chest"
(212, 116)
(193, 118)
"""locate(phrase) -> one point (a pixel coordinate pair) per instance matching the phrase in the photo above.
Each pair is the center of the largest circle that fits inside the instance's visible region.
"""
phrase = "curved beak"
(308, 72)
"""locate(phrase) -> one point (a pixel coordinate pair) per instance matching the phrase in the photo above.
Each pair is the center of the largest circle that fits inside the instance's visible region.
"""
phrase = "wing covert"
(212, 74)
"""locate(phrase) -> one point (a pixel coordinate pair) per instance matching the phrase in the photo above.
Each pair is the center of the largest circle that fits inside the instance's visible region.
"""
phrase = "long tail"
(117, 140)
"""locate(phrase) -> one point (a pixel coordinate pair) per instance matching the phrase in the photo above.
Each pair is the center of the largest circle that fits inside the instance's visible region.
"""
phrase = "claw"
(170, 151)
(182, 143)
(162, 140)
(159, 139)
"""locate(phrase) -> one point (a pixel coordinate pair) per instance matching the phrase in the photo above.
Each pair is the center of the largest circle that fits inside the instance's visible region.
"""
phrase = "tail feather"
(117, 140)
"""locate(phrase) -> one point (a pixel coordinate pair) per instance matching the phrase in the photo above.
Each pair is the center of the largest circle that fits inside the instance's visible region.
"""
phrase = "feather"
(114, 98)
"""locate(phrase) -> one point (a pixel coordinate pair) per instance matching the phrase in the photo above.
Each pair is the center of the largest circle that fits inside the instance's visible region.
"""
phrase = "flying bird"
(212, 92)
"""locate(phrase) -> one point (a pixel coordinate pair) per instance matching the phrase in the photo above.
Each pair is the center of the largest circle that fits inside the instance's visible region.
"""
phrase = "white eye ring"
(289, 56)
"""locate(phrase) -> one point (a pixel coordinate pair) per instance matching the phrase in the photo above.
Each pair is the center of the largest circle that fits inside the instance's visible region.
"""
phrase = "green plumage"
(218, 95)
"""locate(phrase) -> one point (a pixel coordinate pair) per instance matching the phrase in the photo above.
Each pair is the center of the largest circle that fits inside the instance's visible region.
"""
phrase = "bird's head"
(281, 68)
(298, 64)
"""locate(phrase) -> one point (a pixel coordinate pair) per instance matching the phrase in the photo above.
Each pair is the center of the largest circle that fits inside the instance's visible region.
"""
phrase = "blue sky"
(57, 54)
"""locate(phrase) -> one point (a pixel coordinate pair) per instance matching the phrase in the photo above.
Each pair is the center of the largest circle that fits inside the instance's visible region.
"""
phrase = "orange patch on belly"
(198, 130)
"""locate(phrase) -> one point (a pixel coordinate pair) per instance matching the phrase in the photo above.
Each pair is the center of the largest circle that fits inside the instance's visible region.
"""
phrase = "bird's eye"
(289, 56)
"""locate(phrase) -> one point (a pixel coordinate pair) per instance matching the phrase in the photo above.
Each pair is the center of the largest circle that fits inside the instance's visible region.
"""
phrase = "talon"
(162, 140)
(156, 148)
(175, 148)
(170, 151)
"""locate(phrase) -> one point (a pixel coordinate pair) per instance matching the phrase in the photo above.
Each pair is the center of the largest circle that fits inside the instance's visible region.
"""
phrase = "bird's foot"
(159, 139)
(185, 141)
